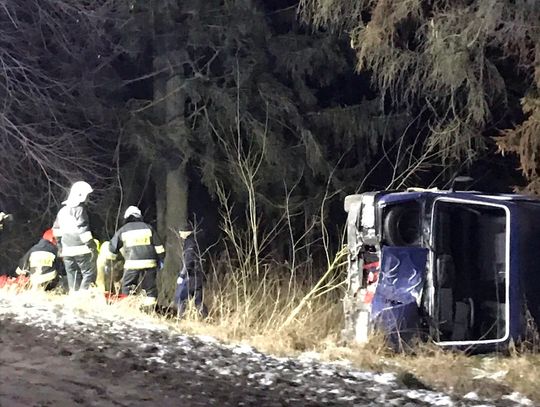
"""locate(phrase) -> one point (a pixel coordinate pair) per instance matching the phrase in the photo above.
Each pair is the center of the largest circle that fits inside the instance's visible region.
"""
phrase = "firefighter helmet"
(132, 211)
(48, 235)
(78, 193)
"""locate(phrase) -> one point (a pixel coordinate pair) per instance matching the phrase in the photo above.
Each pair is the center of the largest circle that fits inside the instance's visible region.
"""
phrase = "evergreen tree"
(240, 80)
(467, 62)
(231, 75)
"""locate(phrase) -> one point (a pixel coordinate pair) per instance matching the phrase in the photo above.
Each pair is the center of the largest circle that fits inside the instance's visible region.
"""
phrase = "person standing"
(189, 285)
(77, 246)
(143, 253)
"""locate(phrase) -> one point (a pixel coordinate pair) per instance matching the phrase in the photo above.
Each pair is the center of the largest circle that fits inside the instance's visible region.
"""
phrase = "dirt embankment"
(56, 356)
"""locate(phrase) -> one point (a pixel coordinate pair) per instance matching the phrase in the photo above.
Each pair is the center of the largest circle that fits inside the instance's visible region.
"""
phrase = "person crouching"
(142, 252)
(41, 263)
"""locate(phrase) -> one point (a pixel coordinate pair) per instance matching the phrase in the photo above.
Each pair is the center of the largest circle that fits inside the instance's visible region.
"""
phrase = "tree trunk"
(161, 202)
(175, 216)
(172, 197)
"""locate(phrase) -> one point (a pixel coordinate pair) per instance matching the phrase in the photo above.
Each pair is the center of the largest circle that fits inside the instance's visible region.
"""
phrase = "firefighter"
(77, 245)
(42, 263)
(143, 254)
(109, 269)
(189, 285)
(5, 218)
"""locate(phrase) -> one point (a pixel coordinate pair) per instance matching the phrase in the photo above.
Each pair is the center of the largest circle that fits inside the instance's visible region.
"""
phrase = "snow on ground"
(52, 354)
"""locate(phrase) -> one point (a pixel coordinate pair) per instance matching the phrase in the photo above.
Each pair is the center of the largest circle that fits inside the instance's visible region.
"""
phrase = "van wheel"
(401, 226)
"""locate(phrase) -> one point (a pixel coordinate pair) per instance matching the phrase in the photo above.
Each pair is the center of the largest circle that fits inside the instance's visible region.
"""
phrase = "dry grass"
(523, 374)
(256, 310)
(253, 311)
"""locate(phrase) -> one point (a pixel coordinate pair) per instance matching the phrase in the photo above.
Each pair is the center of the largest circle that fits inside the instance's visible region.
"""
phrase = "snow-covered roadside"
(169, 368)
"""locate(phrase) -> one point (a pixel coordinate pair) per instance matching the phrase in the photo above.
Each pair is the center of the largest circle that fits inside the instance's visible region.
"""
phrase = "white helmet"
(132, 211)
(78, 193)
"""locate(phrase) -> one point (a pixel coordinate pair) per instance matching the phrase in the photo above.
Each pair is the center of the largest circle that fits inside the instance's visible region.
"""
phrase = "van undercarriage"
(459, 268)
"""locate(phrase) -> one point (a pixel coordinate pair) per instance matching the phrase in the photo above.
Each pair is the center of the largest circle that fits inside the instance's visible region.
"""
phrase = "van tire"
(399, 227)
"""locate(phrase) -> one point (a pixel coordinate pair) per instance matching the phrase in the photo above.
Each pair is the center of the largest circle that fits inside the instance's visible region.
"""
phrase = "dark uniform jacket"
(192, 263)
(73, 228)
(141, 245)
(42, 258)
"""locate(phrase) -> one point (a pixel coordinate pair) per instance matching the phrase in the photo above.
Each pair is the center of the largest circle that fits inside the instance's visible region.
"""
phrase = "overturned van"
(459, 268)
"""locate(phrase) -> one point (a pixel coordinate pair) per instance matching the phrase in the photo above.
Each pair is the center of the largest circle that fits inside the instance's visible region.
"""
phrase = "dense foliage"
(173, 104)
(252, 82)
(466, 63)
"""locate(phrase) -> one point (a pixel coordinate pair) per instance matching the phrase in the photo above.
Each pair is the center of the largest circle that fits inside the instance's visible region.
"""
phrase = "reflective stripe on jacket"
(73, 227)
(140, 243)
(140, 264)
(42, 257)
(71, 251)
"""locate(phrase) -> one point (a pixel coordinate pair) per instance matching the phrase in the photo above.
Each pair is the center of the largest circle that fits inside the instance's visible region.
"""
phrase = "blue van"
(459, 268)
